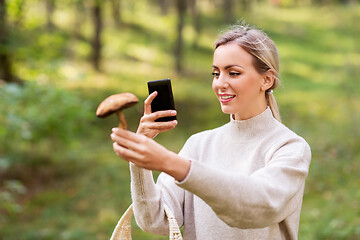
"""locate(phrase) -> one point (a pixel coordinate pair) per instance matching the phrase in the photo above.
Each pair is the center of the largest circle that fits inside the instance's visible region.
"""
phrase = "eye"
(234, 73)
(215, 74)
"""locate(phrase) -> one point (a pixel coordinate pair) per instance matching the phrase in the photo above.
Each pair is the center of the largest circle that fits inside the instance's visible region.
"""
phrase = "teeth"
(226, 97)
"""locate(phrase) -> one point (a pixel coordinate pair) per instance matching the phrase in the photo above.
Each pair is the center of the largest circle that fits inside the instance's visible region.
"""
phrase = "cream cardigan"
(246, 181)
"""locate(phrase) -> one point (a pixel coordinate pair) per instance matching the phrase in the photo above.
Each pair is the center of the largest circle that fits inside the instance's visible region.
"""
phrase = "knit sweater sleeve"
(262, 199)
(149, 198)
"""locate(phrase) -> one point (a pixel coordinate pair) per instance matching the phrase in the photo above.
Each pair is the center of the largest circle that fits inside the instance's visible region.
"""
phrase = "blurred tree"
(196, 20)
(5, 59)
(348, 1)
(96, 42)
(116, 12)
(19, 5)
(79, 19)
(50, 9)
(164, 5)
(181, 9)
(328, 2)
(228, 11)
(246, 5)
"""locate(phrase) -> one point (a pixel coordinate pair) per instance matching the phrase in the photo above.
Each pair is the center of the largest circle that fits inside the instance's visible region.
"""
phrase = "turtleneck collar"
(253, 126)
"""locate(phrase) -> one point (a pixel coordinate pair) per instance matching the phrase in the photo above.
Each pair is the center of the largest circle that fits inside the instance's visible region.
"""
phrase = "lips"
(224, 98)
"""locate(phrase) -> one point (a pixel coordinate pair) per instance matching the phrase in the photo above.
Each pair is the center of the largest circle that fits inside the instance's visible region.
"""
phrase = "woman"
(243, 180)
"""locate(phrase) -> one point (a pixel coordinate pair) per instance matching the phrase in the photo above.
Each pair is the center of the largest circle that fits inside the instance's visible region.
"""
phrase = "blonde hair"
(264, 51)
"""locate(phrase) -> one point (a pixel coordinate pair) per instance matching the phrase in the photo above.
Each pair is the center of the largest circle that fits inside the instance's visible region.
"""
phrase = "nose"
(221, 82)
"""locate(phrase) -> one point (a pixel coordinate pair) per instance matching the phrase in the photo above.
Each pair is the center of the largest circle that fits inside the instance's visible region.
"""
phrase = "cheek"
(240, 87)
(248, 85)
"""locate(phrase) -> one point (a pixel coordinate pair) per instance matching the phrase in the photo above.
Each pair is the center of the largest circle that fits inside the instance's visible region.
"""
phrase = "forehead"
(232, 54)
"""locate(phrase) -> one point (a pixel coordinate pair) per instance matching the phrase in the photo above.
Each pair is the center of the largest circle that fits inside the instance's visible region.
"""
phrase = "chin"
(226, 110)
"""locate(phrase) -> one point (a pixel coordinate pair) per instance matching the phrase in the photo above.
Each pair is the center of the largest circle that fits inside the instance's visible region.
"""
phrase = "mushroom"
(117, 103)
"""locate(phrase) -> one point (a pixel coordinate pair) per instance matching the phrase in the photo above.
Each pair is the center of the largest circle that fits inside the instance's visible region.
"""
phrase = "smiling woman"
(239, 86)
(258, 52)
(246, 178)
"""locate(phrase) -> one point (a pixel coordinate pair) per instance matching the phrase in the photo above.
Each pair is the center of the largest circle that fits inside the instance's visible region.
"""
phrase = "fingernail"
(114, 129)
(173, 112)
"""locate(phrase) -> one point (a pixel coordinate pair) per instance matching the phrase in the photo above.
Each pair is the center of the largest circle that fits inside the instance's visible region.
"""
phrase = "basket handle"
(122, 230)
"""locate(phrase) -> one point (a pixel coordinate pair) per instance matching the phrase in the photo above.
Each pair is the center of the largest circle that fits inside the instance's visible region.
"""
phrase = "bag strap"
(122, 230)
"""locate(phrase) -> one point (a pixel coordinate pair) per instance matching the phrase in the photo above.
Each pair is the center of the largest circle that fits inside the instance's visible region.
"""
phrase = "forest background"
(59, 178)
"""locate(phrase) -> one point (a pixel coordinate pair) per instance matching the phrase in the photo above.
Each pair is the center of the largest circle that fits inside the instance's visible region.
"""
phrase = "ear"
(268, 80)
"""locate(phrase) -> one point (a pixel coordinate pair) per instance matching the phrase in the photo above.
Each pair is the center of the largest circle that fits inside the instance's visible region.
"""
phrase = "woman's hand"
(148, 126)
(146, 153)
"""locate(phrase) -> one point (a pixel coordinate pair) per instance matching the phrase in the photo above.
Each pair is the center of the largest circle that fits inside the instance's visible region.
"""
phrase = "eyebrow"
(228, 66)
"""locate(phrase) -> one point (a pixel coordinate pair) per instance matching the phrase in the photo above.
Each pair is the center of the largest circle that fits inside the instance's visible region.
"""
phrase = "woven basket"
(122, 230)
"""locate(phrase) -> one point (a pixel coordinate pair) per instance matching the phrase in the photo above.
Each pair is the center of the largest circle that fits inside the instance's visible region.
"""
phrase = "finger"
(125, 153)
(124, 142)
(163, 125)
(137, 138)
(159, 114)
(148, 101)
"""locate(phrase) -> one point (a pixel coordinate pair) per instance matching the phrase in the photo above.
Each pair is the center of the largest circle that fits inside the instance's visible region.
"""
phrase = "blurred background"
(59, 178)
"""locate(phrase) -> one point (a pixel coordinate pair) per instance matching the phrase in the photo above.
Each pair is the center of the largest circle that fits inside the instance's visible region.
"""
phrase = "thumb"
(148, 101)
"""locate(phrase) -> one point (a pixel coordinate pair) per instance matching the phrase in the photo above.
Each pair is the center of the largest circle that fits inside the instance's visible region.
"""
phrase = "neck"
(250, 128)
(250, 114)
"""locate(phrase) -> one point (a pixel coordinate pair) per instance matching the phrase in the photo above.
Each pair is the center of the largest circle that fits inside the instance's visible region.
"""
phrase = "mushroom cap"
(116, 103)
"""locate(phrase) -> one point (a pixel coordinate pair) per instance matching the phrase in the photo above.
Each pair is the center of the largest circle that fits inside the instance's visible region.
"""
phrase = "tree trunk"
(19, 13)
(246, 5)
(5, 60)
(181, 8)
(347, 1)
(96, 43)
(79, 19)
(164, 5)
(228, 11)
(116, 6)
(50, 9)
(196, 20)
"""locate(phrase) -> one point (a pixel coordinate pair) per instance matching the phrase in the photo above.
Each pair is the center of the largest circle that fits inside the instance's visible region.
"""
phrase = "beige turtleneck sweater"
(246, 181)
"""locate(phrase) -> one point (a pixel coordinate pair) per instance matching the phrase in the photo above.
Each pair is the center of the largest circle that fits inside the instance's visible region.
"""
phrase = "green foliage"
(40, 131)
(10, 191)
(38, 122)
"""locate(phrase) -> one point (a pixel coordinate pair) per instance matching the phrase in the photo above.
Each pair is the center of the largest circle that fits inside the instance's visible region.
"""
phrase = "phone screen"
(164, 100)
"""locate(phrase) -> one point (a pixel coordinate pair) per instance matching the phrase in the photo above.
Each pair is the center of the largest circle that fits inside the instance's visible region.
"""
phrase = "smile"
(226, 98)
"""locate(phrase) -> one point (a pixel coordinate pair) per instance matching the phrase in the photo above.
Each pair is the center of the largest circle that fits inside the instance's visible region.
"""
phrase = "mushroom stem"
(122, 120)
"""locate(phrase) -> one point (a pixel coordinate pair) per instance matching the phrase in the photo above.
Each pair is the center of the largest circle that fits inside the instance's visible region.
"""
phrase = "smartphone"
(164, 100)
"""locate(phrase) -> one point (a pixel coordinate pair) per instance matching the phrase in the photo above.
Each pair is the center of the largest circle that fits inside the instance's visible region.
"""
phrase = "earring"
(269, 92)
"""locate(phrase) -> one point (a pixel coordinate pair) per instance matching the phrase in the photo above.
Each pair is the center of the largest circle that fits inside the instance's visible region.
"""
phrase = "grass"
(89, 189)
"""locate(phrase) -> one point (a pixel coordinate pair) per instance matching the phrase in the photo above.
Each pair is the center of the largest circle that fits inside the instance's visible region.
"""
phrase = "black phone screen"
(164, 100)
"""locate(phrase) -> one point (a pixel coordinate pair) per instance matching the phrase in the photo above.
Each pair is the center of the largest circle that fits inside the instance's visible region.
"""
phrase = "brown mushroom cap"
(116, 103)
